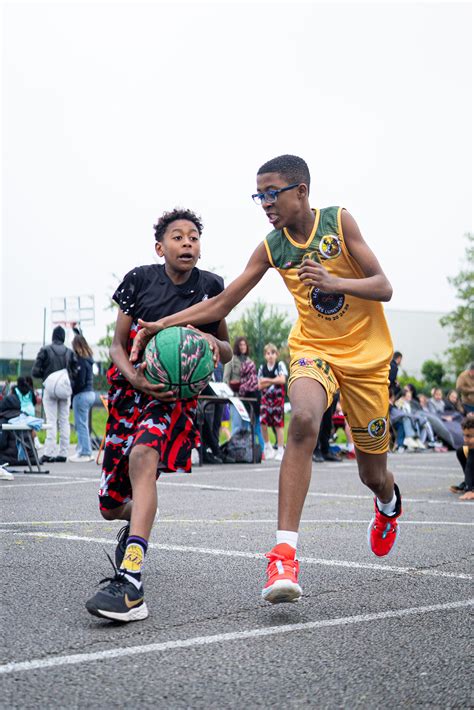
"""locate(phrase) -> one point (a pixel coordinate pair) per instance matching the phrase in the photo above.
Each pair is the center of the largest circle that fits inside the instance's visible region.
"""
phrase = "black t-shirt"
(147, 292)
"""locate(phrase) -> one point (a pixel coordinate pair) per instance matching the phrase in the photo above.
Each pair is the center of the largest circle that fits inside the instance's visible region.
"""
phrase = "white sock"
(281, 449)
(387, 508)
(288, 536)
(350, 447)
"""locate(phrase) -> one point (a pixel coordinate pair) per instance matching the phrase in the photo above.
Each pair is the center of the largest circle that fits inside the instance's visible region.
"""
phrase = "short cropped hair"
(178, 213)
(291, 167)
(467, 423)
(397, 354)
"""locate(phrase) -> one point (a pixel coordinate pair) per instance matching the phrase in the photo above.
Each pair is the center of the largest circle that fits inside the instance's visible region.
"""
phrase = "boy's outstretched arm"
(212, 310)
(373, 285)
(219, 344)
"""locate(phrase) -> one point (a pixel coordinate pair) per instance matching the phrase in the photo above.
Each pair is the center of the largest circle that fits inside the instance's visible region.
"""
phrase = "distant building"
(18, 358)
(416, 334)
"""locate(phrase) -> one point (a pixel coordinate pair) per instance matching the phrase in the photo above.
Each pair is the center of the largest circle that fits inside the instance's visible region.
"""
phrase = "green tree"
(261, 324)
(106, 341)
(433, 372)
(461, 320)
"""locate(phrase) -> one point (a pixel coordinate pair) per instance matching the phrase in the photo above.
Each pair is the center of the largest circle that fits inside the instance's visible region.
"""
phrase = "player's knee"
(303, 426)
(143, 461)
(108, 514)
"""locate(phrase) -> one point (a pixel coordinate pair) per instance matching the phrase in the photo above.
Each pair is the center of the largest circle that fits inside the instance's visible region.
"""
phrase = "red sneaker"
(383, 529)
(282, 572)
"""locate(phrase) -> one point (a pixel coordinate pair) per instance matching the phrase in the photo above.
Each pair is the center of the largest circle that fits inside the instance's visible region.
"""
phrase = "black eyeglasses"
(270, 196)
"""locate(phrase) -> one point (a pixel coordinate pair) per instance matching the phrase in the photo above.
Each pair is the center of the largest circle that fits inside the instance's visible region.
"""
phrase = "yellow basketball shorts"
(364, 399)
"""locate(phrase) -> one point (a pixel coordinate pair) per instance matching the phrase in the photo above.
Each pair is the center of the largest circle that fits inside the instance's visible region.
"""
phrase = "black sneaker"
(122, 537)
(47, 459)
(210, 457)
(120, 600)
(59, 459)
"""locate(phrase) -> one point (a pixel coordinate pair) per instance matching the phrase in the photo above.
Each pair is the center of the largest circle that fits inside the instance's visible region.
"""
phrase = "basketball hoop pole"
(44, 326)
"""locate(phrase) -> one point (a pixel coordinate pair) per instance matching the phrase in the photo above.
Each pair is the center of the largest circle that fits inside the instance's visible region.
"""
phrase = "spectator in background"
(26, 396)
(393, 374)
(83, 398)
(436, 402)
(271, 382)
(465, 386)
(322, 451)
(249, 388)
(339, 421)
(451, 423)
(56, 365)
(453, 407)
(413, 425)
(232, 377)
(211, 422)
(397, 417)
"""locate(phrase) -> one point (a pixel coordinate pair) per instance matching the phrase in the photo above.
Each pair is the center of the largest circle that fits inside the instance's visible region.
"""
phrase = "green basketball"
(181, 359)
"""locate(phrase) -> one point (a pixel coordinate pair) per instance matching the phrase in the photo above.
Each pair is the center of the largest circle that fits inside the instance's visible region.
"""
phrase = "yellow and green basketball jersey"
(348, 332)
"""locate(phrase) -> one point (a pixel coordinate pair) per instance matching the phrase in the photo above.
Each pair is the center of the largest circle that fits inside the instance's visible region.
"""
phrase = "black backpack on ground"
(239, 448)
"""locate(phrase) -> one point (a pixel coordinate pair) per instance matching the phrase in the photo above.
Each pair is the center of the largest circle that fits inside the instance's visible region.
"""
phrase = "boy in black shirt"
(147, 429)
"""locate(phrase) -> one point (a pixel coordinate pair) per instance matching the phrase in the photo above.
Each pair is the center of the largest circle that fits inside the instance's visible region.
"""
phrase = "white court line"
(233, 521)
(237, 489)
(55, 661)
(62, 483)
(23, 475)
(255, 555)
(274, 491)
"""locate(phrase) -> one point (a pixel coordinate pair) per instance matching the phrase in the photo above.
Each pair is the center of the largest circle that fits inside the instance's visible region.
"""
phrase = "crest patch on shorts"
(377, 427)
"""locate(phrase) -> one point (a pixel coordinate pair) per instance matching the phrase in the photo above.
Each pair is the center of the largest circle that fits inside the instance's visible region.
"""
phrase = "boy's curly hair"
(178, 213)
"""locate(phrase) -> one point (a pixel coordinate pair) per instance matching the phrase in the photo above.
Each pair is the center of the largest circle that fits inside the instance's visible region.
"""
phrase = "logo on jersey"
(377, 427)
(326, 303)
(330, 246)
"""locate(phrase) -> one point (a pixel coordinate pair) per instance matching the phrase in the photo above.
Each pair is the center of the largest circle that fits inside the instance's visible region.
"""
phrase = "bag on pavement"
(239, 448)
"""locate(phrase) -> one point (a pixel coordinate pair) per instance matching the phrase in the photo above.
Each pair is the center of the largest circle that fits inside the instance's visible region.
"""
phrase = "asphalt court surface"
(368, 632)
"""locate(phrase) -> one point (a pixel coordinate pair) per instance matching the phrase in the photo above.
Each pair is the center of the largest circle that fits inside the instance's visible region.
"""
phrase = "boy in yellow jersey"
(340, 341)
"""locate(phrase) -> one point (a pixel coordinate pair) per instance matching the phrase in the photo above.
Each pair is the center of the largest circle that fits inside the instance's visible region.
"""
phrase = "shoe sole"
(281, 592)
(393, 546)
(136, 614)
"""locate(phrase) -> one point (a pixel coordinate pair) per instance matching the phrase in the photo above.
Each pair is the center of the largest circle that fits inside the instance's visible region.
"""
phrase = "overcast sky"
(115, 112)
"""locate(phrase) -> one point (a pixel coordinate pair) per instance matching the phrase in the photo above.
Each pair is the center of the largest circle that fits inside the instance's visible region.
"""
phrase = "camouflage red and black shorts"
(272, 407)
(135, 418)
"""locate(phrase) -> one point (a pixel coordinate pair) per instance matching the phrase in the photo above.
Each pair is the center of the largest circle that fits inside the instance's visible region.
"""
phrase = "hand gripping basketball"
(147, 330)
(181, 359)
